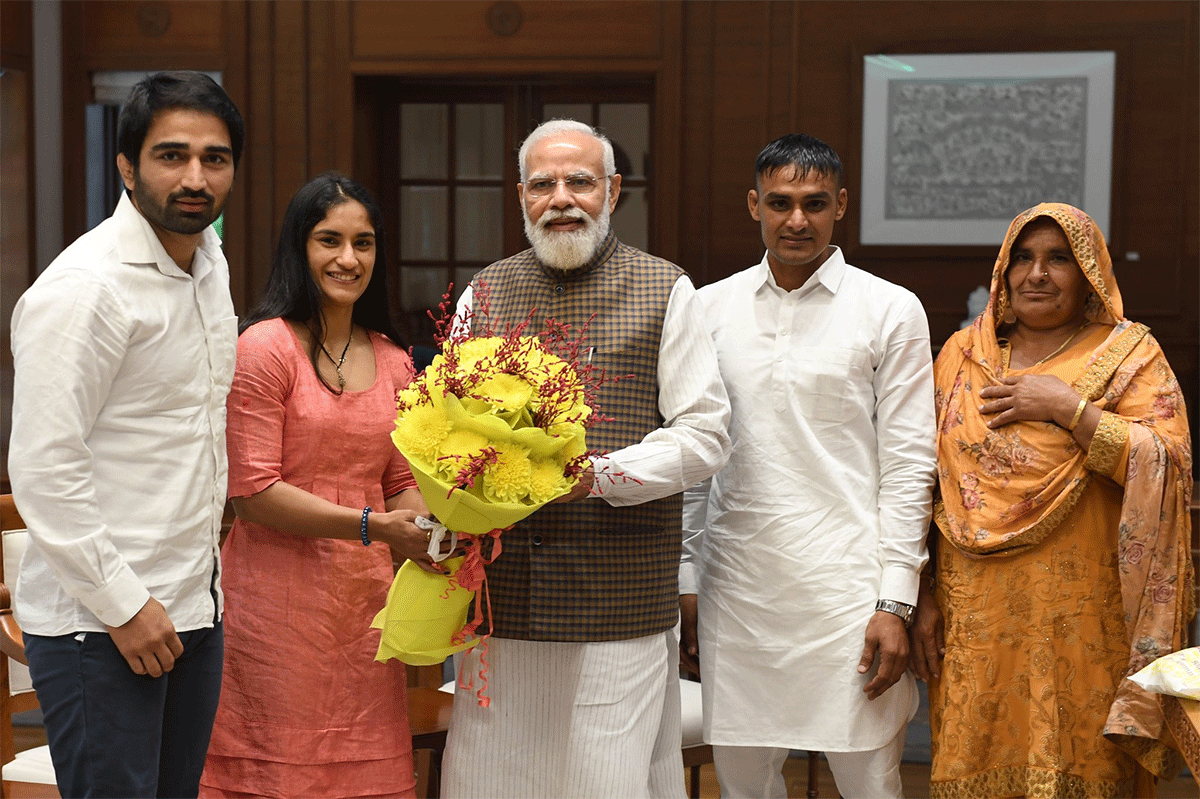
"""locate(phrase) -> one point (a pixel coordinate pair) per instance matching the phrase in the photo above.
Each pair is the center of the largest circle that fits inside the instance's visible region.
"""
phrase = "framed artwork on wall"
(956, 145)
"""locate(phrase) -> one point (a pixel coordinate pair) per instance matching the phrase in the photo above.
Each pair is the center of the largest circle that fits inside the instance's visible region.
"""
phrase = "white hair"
(555, 126)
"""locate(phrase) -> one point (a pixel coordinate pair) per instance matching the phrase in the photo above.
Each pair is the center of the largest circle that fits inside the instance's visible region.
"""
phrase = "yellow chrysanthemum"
(568, 416)
(546, 481)
(575, 447)
(409, 397)
(473, 351)
(434, 369)
(507, 480)
(506, 392)
(420, 430)
(457, 450)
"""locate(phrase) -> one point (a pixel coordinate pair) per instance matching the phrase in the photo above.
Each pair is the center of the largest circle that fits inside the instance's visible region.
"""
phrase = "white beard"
(567, 249)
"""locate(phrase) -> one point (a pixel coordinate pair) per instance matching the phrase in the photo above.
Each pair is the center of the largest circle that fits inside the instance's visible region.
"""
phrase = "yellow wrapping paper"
(422, 614)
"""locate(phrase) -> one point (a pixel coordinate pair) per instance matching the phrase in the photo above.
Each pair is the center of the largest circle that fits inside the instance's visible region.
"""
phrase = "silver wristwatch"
(905, 612)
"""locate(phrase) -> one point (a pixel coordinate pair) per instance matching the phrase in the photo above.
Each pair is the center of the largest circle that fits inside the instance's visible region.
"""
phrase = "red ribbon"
(471, 576)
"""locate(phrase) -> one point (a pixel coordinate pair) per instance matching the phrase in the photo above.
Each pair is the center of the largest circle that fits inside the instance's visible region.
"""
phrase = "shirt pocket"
(832, 384)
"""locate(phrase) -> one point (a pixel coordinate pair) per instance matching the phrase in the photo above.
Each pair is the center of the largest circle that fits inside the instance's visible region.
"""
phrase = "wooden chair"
(695, 752)
(429, 718)
(28, 774)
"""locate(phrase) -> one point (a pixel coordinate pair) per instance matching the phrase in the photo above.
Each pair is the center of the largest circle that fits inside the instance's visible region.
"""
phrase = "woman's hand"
(1029, 398)
(397, 529)
(927, 636)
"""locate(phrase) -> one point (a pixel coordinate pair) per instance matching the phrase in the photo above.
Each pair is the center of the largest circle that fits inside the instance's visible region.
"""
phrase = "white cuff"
(900, 583)
(688, 581)
(119, 600)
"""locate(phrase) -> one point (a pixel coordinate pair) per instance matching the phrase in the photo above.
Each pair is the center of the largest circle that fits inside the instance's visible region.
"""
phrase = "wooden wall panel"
(696, 142)
(259, 177)
(290, 123)
(436, 29)
(740, 70)
(239, 220)
(17, 239)
(16, 34)
(126, 31)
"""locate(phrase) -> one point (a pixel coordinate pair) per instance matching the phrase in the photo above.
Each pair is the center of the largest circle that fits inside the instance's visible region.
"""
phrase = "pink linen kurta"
(305, 710)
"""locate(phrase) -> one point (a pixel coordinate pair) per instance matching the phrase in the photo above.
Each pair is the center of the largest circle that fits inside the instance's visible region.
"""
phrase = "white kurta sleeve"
(695, 522)
(69, 340)
(905, 433)
(693, 442)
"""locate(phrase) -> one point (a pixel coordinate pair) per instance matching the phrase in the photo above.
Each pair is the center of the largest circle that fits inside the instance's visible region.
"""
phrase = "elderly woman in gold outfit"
(1062, 563)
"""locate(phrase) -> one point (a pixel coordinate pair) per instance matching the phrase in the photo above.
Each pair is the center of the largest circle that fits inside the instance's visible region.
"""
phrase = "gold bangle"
(1078, 415)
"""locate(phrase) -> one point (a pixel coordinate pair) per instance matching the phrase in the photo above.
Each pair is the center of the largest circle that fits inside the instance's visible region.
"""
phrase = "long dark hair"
(291, 292)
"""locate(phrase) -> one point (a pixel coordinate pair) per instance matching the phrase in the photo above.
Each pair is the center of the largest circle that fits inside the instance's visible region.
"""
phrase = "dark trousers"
(113, 733)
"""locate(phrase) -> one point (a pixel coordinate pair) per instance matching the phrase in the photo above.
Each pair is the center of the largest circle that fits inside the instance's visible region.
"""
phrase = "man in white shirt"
(124, 352)
(810, 541)
(583, 664)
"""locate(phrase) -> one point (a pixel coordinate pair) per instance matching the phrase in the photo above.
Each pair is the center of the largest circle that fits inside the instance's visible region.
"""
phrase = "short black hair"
(163, 91)
(291, 292)
(805, 153)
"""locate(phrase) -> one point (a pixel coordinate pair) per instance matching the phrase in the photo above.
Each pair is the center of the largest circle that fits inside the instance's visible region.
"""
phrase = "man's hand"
(582, 489)
(886, 639)
(689, 642)
(148, 640)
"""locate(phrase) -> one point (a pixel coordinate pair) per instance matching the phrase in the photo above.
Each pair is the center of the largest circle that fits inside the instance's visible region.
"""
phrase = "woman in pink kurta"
(305, 710)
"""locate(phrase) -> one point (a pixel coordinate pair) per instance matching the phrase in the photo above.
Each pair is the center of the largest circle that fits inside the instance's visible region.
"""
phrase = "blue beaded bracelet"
(362, 530)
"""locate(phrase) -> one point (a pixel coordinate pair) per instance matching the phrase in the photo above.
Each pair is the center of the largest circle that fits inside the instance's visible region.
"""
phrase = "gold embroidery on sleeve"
(1107, 443)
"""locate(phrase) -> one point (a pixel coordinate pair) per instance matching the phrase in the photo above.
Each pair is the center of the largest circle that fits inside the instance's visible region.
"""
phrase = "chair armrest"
(12, 643)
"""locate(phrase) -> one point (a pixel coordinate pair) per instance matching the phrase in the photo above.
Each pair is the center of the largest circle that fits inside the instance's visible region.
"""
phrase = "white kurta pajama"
(822, 509)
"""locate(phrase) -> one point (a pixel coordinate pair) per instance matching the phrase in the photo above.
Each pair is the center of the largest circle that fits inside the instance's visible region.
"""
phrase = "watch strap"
(905, 612)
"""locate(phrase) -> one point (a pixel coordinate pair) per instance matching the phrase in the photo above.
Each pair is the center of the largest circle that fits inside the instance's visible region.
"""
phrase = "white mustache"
(559, 216)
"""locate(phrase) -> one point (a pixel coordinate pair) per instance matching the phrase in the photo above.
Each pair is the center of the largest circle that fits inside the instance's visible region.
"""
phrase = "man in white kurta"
(809, 544)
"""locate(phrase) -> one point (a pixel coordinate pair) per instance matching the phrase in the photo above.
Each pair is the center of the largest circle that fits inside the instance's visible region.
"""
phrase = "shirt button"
(537, 540)
(559, 289)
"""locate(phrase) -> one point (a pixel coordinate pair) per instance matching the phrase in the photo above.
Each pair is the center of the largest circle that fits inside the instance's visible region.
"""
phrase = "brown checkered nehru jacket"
(586, 571)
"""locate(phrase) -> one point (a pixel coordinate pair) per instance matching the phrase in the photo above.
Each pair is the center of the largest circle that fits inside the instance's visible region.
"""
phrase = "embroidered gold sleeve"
(1108, 443)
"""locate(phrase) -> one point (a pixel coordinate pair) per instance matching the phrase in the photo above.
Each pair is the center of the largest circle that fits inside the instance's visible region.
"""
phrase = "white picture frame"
(955, 146)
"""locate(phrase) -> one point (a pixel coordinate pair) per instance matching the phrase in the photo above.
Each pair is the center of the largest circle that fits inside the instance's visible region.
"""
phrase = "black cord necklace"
(337, 365)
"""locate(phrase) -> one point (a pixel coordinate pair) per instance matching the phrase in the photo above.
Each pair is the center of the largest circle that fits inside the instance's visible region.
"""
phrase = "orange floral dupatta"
(1005, 490)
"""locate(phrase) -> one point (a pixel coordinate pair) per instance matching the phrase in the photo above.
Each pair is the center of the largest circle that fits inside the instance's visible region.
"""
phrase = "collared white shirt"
(822, 509)
(693, 441)
(123, 363)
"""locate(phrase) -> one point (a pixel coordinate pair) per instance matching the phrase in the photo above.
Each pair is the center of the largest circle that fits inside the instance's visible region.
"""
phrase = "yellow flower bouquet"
(493, 429)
